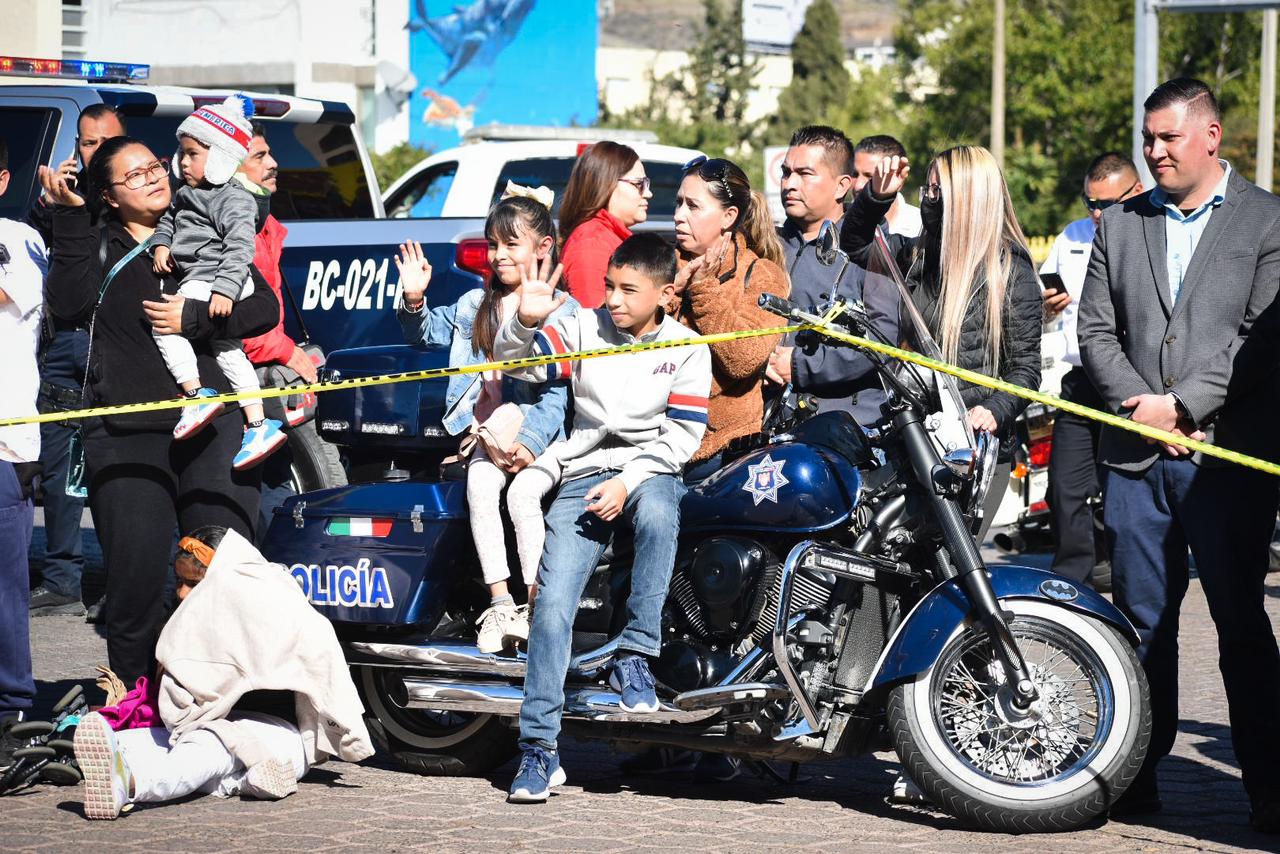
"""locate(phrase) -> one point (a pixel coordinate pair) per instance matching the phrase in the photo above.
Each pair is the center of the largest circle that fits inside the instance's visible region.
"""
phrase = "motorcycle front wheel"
(1051, 768)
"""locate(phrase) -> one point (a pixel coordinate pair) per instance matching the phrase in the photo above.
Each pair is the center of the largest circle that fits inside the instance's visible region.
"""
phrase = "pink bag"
(138, 709)
(496, 434)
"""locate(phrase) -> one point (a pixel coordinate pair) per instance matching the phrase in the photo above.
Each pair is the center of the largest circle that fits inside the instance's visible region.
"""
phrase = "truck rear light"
(473, 257)
(583, 146)
(1038, 507)
(1039, 451)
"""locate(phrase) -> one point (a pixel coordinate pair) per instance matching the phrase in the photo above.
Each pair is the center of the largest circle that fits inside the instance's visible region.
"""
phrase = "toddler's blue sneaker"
(259, 443)
(539, 771)
(195, 418)
(631, 679)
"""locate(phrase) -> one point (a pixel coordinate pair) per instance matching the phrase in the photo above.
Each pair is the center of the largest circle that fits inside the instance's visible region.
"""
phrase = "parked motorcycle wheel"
(960, 741)
(437, 744)
(316, 463)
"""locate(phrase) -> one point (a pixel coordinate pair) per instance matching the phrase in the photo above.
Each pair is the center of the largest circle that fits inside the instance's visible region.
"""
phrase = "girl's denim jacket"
(545, 405)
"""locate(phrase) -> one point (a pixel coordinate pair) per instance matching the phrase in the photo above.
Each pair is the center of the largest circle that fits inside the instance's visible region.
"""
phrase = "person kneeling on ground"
(637, 421)
(267, 637)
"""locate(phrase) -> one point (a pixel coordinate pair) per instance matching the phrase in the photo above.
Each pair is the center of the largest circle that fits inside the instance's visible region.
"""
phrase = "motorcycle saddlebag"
(375, 554)
(404, 415)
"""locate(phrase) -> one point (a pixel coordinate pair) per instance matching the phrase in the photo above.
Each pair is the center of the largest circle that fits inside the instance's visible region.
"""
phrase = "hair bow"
(545, 196)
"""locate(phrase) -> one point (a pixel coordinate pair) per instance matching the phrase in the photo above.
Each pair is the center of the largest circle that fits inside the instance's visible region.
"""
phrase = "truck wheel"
(316, 464)
(1048, 769)
(437, 744)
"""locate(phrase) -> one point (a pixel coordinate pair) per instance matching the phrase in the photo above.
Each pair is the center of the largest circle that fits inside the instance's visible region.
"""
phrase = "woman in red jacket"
(608, 193)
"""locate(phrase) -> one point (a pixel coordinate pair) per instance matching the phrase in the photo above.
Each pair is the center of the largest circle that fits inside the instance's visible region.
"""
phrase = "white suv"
(467, 180)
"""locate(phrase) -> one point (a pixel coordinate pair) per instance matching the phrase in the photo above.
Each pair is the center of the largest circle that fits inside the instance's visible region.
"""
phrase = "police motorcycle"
(828, 595)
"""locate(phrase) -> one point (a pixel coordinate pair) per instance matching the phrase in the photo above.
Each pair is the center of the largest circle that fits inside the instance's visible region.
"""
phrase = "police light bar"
(74, 69)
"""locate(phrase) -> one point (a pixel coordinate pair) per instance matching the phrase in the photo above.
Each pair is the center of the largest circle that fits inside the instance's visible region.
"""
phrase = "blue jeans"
(17, 515)
(64, 544)
(1226, 516)
(576, 540)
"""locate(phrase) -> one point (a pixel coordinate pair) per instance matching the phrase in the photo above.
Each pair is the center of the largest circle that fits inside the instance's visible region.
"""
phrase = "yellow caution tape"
(823, 327)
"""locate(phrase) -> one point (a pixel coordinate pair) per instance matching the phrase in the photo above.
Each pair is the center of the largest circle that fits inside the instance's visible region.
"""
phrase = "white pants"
(180, 358)
(199, 762)
(485, 482)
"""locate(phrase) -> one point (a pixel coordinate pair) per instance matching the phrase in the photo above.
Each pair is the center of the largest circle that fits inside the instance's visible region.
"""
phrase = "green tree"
(819, 81)
(395, 161)
(704, 105)
(1070, 73)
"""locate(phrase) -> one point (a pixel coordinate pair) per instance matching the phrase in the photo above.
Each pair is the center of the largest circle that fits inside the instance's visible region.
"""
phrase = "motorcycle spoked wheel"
(437, 744)
(1066, 763)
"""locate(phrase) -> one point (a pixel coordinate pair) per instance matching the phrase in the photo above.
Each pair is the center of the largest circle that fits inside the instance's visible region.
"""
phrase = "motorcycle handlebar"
(777, 305)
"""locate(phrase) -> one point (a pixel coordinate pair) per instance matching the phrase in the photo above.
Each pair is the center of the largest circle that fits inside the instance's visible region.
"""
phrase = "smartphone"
(1052, 283)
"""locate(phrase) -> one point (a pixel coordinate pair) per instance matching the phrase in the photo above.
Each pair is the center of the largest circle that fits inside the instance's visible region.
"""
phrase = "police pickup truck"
(337, 260)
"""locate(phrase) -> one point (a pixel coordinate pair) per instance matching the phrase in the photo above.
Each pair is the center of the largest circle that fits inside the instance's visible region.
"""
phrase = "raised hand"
(890, 177)
(58, 188)
(538, 297)
(415, 273)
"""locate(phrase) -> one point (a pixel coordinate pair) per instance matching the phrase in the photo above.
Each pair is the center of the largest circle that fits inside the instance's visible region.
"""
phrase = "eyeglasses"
(709, 169)
(931, 193)
(641, 184)
(139, 178)
(1103, 204)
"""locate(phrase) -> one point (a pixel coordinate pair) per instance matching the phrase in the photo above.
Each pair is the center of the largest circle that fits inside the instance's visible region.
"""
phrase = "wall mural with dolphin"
(529, 62)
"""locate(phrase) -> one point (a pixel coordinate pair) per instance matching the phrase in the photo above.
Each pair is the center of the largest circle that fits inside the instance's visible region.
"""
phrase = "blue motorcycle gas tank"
(792, 487)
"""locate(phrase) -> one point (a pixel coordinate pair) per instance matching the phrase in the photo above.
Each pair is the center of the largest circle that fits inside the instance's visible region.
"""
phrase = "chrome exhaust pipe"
(499, 698)
(446, 657)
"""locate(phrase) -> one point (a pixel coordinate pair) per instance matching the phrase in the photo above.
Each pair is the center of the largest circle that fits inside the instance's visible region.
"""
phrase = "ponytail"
(756, 225)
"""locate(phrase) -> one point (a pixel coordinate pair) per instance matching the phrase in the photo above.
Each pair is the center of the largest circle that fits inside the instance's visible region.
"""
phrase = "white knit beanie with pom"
(225, 128)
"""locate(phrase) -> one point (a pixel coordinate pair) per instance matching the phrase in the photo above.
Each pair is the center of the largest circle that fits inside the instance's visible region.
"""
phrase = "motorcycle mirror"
(827, 245)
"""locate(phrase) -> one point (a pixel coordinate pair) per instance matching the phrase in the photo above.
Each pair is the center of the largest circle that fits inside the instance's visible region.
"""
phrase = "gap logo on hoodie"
(359, 586)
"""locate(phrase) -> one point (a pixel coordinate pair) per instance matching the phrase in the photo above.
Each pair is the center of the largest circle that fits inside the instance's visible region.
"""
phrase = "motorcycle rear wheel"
(972, 754)
(436, 744)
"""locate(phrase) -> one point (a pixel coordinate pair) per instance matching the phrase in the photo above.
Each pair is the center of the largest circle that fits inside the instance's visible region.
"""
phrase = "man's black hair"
(834, 142)
(1110, 163)
(97, 111)
(1196, 94)
(259, 128)
(881, 144)
(4, 154)
(648, 254)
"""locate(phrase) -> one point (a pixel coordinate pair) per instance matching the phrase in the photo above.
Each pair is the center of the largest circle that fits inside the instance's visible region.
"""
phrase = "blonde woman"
(969, 271)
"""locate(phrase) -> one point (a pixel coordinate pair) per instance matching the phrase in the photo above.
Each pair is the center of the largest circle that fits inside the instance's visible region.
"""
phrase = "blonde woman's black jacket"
(124, 363)
(1023, 312)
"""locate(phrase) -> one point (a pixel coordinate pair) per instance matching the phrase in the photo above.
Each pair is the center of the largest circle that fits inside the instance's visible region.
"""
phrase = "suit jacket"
(1216, 348)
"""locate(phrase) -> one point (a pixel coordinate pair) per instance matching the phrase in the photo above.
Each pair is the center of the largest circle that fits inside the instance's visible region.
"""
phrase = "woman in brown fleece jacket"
(730, 254)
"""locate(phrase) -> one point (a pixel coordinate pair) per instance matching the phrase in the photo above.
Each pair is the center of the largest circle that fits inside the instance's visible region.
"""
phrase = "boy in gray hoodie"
(208, 233)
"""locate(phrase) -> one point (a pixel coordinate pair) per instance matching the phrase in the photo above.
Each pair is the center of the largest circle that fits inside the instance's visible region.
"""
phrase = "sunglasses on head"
(708, 169)
(1102, 204)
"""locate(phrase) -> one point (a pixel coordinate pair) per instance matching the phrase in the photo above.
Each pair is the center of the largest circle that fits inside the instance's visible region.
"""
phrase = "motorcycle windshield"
(952, 430)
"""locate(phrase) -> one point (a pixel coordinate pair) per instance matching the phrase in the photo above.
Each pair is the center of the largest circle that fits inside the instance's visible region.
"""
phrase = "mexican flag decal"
(358, 526)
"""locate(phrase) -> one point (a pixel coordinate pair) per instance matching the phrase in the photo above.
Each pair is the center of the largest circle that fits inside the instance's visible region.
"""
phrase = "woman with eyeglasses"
(730, 255)
(970, 275)
(608, 193)
(141, 483)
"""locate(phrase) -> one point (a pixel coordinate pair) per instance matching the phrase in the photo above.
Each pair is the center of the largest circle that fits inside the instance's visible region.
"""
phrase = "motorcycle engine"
(722, 572)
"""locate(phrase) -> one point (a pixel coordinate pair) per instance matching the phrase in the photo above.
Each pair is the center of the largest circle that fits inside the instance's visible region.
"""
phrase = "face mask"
(931, 215)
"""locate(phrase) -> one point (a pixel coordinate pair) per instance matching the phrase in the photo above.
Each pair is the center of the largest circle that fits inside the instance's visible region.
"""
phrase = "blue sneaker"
(539, 771)
(259, 443)
(195, 418)
(631, 678)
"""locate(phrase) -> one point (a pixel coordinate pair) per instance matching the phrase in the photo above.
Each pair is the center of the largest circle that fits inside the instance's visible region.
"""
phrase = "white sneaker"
(270, 780)
(195, 418)
(106, 774)
(501, 625)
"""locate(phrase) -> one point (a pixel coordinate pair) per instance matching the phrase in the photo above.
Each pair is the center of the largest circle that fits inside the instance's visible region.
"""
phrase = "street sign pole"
(1267, 103)
(1146, 63)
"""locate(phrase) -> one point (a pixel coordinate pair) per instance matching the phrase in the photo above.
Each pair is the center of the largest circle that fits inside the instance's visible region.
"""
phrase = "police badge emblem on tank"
(764, 479)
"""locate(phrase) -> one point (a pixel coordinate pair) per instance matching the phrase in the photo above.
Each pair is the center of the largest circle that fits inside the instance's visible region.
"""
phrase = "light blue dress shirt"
(1182, 232)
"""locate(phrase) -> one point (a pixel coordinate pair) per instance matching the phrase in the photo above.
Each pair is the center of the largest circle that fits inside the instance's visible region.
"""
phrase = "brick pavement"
(376, 807)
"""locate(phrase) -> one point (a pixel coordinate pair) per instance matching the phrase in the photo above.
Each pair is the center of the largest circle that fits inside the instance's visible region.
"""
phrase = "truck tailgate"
(343, 275)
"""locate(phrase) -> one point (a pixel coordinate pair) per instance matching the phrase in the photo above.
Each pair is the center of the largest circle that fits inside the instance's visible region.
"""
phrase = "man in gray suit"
(1178, 331)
